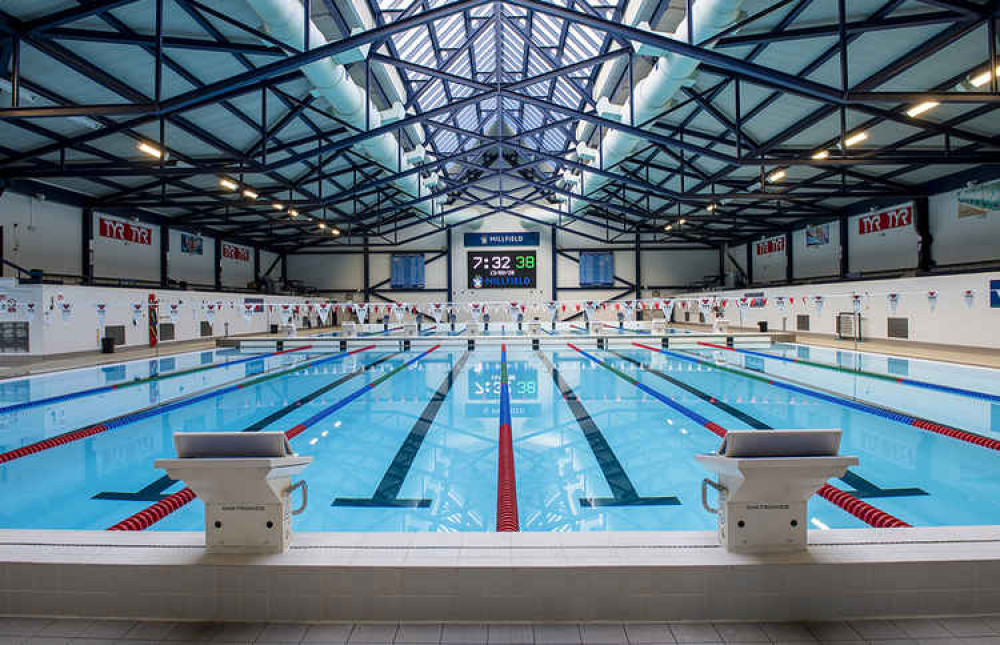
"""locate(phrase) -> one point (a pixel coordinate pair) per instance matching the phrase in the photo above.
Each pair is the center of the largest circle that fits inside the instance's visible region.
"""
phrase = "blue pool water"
(418, 452)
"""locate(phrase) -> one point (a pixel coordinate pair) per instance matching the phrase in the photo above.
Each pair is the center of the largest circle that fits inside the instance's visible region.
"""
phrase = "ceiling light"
(228, 184)
(822, 154)
(926, 106)
(668, 227)
(150, 150)
(982, 79)
(682, 221)
(277, 206)
(711, 208)
(322, 226)
(335, 231)
(855, 139)
(293, 212)
(776, 176)
(249, 194)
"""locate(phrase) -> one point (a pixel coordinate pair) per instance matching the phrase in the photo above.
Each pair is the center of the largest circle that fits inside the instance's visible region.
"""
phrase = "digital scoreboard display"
(502, 270)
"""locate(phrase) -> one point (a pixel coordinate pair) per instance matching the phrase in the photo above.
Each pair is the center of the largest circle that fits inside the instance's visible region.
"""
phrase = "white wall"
(235, 272)
(40, 234)
(958, 240)
(886, 250)
(51, 334)
(114, 258)
(769, 267)
(194, 269)
(816, 261)
(951, 320)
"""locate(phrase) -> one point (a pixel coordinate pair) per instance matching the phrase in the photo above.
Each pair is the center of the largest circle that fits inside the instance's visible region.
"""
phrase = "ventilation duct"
(283, 20)
(653, 93)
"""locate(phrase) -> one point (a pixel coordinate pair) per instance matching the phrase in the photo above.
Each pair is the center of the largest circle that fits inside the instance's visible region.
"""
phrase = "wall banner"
(887, 220)
(233, 252)
(774, 244)
(979, 200)
(192, 244)
(124, 231)
(818, 235)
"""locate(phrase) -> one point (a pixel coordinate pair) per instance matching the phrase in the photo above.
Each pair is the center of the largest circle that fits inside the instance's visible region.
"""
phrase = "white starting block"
(720, 326)
(244, 478)
(765, 479)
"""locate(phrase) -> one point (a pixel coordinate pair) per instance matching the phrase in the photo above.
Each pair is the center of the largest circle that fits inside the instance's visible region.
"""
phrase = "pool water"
(408, 441)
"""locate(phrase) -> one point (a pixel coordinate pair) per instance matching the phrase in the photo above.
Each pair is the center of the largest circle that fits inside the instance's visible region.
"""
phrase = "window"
(407, 271)
(117, 332)
(167, 331)
(13, 337)
(597, 269)
(206, 329)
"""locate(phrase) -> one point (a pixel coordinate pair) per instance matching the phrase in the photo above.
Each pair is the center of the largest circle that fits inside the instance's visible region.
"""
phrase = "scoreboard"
(502, 270)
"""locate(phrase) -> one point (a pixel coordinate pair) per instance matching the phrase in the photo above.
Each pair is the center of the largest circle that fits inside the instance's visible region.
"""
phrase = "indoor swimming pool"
(600, 439)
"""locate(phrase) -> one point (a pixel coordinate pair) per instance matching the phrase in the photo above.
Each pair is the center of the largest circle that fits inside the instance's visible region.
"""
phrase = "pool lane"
(961, 480)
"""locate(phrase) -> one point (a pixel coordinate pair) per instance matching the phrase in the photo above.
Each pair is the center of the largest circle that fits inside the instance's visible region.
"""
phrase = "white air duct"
(653, 93)
(283, 20)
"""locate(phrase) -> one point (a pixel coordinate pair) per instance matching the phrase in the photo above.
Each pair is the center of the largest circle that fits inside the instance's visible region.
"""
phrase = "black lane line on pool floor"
(154, 492)
(622, 489)
(387, 492)
(863, 488)
(756, 424)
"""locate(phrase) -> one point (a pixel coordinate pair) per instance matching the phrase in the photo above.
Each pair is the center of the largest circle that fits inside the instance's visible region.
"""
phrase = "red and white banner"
(124, 231)
(774, 244)
(886, 220)
(233, 252)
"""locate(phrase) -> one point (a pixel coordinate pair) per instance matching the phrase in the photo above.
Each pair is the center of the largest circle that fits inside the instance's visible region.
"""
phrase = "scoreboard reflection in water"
(502, 270)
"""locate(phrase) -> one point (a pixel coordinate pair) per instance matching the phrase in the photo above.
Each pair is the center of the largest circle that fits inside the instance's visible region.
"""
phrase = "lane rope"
(154, 513)
(507, 519)
(864, 511)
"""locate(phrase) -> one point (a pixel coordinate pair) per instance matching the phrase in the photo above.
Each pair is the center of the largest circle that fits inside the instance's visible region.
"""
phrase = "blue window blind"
(408, 271)
(597, 269)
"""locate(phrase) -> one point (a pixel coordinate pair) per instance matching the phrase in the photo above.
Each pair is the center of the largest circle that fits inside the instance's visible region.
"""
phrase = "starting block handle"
(719, 488)
(305, 496)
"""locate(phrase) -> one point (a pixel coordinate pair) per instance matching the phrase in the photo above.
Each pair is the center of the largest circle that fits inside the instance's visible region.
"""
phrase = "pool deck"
(14, 366)
(961, 354)
(846, 574)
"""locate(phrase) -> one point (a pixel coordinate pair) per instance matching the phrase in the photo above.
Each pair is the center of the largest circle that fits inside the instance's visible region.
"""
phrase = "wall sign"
(501, 239)
(995, 294)
(192, 244)
(979, 200)
(818, 235)
(886, 220)
(502, 270)
(233, 252)
(774, 244)
(118, 230)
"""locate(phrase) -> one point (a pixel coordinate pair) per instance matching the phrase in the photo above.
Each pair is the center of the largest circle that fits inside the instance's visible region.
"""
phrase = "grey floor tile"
(833, 631)
(788, 632)
(49, 640)
(283, 633)
(68, 628)
(872, 630)
(22, 626)
(922, 628)
(373, 634)
(993, 622)
(741, 633)
(328, 633)
(981, 640)
(194, 632)
(13, 640)
(509, 634)
(238, 632)
(648, 633)
(149, 630)
(419, 634)
(971, 626)
(460, 634)
(695, 633)
(603, 634)
(109, 629)
(557, 634)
